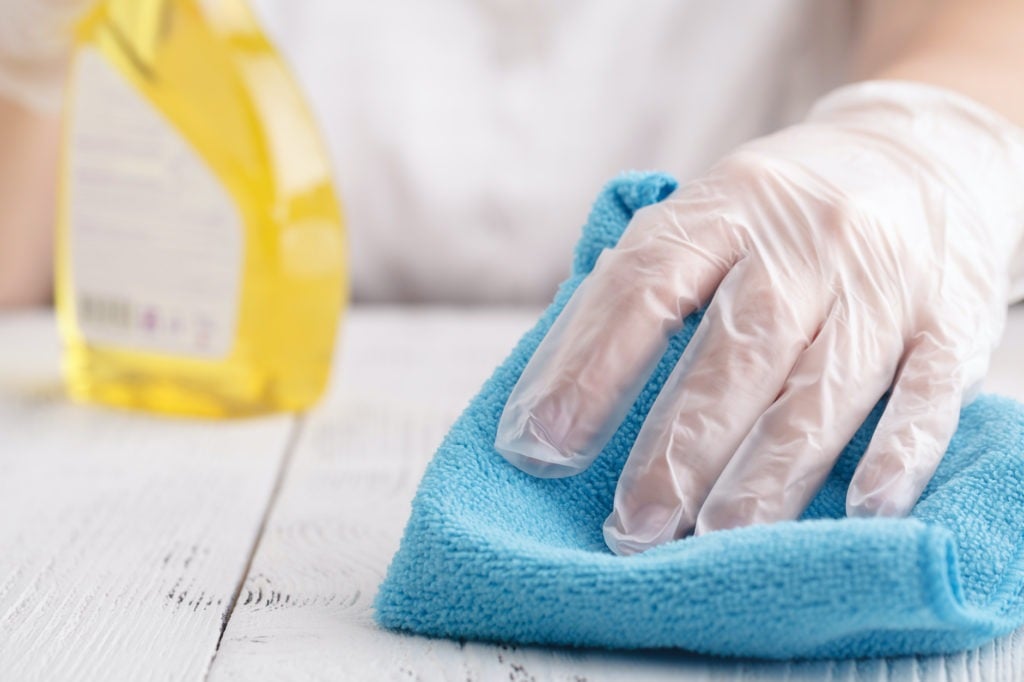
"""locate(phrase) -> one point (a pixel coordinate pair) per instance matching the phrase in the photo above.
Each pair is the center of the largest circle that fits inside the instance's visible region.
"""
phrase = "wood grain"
(124, 537)
(305, 609)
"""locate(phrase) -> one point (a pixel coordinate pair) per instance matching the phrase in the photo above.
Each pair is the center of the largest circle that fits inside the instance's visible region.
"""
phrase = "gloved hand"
(865, 249)
(35, 43)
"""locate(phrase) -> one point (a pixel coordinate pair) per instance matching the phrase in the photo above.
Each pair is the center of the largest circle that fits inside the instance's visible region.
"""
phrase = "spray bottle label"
(156, 241)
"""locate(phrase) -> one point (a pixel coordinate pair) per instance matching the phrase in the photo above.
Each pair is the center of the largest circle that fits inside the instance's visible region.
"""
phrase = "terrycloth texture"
(492, 553)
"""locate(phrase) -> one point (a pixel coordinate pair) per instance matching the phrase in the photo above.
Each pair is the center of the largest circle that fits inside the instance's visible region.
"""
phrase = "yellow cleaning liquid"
(200, 256)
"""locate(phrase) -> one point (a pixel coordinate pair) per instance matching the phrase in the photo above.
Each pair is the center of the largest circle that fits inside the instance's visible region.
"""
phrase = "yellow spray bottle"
(200, 256)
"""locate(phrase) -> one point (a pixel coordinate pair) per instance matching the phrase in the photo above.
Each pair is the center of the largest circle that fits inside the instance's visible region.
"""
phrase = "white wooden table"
(141, 548)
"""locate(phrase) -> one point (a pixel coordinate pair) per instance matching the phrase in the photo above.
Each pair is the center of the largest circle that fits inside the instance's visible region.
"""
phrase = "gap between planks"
(298, 424)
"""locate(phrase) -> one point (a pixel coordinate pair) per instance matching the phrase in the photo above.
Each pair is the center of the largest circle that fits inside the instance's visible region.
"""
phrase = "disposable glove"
(866, 250)
(35, 42)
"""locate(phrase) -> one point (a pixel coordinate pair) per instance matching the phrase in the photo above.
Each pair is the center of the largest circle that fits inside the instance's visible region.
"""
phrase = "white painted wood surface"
(124, 538)
(305, 609)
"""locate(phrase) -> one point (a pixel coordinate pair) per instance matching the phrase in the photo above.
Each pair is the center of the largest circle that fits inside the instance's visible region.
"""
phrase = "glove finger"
(792, 447)
(595, 360)
(912, 436)
(729, 374)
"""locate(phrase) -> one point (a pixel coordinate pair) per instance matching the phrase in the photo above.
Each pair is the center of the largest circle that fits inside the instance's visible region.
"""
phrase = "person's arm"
(35, 40)
(862, 253)
(28, 164)
(975, 47)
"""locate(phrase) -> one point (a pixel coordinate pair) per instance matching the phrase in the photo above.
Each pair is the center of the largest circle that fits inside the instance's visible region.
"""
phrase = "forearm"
(28, 164)
(975, 47)
(34, 44)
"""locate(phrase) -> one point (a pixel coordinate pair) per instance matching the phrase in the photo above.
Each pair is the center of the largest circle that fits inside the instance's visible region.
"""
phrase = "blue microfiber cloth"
(492, 553)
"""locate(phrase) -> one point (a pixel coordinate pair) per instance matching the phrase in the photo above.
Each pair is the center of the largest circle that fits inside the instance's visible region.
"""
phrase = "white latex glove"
(864, 249)
(35, 43)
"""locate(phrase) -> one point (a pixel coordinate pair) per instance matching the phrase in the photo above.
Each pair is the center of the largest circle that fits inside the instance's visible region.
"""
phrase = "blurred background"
(468, 137)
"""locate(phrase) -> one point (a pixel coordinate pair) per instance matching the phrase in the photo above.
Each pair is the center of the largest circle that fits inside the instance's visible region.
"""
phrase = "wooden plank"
(125, 537)
(305, 609)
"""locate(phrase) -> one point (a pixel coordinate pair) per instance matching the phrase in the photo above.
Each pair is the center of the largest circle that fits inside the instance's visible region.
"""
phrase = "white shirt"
(469, 137)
